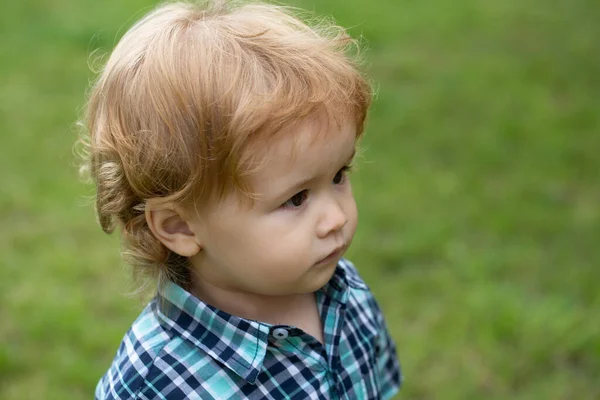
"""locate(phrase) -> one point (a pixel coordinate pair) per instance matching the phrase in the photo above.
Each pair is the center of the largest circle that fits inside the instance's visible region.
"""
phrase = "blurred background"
(479, 196)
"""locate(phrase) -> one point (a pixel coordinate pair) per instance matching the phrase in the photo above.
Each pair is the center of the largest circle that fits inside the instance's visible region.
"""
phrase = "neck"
(279, 309)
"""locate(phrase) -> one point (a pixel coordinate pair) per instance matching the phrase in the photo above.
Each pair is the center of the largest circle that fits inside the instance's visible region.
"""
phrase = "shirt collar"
(237, 343)
(336, 288)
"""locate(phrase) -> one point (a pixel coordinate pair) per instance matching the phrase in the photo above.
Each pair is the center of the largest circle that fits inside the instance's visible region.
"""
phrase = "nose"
(332, 219)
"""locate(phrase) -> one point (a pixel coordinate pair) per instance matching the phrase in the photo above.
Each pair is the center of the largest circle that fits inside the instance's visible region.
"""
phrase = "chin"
(323, 277)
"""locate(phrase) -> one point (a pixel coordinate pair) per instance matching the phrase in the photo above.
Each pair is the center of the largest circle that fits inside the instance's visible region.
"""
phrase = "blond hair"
(187, 96)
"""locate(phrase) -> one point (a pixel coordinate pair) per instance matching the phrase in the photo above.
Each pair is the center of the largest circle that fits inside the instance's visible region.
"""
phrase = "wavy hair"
(189, 95)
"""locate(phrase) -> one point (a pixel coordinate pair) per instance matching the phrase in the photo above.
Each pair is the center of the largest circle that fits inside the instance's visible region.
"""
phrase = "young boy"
(220, 140)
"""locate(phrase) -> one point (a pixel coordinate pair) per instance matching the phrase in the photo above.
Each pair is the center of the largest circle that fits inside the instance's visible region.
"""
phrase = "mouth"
(333, 256)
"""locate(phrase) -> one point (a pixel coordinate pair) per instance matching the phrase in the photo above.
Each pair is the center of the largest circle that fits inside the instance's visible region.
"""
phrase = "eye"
(341, 174)
(296, 200)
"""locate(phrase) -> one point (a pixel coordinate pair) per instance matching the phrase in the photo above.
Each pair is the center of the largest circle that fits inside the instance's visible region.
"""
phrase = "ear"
(169, 225)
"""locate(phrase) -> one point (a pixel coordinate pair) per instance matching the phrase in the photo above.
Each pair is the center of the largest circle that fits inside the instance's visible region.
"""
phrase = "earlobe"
(172, 229)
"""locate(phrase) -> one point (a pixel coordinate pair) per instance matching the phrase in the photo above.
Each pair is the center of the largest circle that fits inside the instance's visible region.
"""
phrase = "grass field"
(479, 195)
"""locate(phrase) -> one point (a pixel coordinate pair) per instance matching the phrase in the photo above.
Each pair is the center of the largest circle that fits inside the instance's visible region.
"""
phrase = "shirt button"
(280, 333)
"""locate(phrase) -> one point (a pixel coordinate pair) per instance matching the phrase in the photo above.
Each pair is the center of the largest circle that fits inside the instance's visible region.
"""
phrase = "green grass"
(479, 196)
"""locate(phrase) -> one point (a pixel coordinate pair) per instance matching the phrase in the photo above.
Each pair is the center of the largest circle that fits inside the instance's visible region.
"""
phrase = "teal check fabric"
(182, 348)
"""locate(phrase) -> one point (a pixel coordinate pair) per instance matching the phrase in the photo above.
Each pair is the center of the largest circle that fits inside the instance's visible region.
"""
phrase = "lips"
(332, 256)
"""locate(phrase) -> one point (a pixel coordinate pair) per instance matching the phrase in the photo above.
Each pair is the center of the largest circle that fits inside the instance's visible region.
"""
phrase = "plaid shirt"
(182, 348)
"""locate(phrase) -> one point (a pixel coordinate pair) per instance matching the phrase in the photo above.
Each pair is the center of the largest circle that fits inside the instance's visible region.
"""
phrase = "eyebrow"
(305, 182)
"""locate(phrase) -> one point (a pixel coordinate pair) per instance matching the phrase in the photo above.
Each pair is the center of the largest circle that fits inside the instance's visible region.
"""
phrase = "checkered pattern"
(182, 348)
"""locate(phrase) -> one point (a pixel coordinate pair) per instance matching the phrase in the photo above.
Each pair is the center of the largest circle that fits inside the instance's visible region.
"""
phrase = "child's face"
(290, 240)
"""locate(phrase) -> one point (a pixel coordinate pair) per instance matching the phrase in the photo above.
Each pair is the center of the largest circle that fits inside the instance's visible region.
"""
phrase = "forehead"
(309, 149)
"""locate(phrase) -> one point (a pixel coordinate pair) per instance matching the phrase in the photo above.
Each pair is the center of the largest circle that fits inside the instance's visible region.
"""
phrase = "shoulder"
(135, 357)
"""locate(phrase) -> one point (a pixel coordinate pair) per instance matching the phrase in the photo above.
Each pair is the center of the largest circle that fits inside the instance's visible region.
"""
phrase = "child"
(220, 140)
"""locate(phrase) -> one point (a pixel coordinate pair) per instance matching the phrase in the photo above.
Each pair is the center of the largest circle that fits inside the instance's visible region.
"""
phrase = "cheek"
(275, 258)
(352, 214)
(271, 239)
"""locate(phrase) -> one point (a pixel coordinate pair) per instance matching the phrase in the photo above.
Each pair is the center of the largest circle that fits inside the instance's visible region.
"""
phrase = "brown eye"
(339, 177)
(296, 200)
